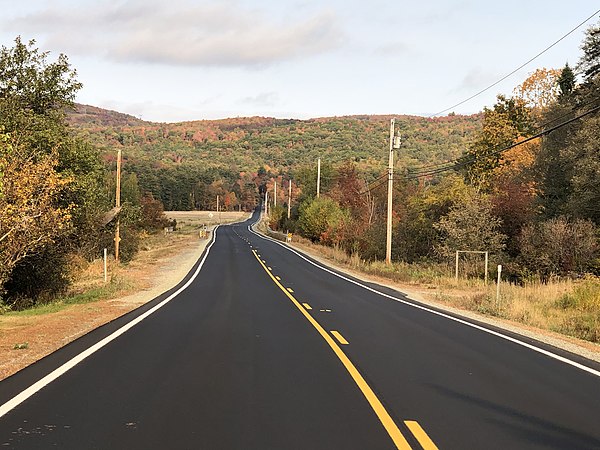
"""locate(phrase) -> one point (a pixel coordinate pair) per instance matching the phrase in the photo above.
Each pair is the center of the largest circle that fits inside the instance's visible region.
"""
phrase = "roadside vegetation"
(526, 190)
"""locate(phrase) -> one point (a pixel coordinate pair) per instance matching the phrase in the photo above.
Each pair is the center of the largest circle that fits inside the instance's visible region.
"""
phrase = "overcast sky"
(204, 59)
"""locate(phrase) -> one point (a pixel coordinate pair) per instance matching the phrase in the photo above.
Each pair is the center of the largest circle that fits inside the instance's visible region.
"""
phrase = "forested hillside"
(187, 164)
(250, 143)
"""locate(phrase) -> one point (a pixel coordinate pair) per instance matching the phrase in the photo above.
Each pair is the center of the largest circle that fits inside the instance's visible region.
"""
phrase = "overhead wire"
(461, 162)
(427, 168)
(517, 69)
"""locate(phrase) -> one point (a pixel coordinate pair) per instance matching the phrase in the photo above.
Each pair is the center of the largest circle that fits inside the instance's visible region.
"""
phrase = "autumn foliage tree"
(29, 217)
(50, 182)
(503, 125)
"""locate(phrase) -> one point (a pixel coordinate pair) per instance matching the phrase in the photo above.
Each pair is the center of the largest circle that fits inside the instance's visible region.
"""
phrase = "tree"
(589, 63)
(51, 177)
(153, 214)
(29, 218)
(559, 246)
(319, 218)
(566, 82)
(31, 83)
(470, 226)
(503, 125)
(415, 237)
(582, 150)
(540, 89)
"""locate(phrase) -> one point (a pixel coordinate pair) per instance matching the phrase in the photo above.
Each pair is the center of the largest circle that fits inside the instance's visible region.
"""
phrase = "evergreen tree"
(589, 64)
(566, 81)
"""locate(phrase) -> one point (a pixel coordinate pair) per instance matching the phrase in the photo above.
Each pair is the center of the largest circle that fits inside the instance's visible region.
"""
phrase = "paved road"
(263, 349)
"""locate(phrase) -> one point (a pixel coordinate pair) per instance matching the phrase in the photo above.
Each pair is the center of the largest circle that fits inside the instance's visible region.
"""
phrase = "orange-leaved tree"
(29, 216)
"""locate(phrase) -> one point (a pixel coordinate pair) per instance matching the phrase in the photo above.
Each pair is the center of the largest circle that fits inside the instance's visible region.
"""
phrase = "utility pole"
(118, 205)
(290, 200)
(394, 144)
(275, 194)
(318, 176)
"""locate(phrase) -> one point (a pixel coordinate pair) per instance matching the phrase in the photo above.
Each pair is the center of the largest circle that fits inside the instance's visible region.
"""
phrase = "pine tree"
(566, 81)
(589, 63)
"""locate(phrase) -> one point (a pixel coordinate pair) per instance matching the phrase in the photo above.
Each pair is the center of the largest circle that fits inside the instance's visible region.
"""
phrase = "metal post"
(318, 176)
(388, 247)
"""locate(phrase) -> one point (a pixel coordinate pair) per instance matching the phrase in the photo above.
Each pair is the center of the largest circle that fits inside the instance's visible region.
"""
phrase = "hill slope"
(246, 144)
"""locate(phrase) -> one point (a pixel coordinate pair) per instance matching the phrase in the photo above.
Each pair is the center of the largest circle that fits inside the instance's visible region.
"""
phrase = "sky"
(177, 60)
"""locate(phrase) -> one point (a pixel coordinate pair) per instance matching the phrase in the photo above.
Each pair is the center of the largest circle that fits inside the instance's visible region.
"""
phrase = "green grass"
(92, 295)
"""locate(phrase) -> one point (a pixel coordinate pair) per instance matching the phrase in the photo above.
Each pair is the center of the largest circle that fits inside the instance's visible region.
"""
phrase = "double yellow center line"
(382, 414)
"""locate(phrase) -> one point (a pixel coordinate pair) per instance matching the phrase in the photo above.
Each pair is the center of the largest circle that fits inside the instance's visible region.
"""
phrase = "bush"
(38, 279)
(152, 214)
(558, 246)
(320, 218)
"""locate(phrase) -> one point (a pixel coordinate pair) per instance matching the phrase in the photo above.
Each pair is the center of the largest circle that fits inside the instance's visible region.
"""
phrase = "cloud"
(180, 32)
(476, 78)
(262, 99)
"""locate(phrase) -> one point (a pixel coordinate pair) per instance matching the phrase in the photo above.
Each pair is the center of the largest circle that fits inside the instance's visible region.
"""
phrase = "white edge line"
(61, 370)
(438, 313)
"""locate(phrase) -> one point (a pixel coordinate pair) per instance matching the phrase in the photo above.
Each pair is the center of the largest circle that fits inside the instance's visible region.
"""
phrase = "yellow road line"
(339, 337)
(307, 306)
(420, 434)
(278, 278)
(291, 290)
(270, 268)
(382, 414)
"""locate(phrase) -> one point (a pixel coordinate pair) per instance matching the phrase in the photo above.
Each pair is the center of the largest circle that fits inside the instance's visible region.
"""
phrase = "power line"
(461, 162)
(517, 69)
(464, 160)
(427, 168)
(372, 188)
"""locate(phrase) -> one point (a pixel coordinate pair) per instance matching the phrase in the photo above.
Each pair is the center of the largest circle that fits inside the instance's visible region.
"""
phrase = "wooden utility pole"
(318, 176)
(118, 205)
(395, 142)
(290, 200)
(388, 246)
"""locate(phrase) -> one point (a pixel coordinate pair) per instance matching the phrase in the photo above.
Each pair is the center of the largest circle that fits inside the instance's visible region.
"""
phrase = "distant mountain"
(85, 115)
(246, 144)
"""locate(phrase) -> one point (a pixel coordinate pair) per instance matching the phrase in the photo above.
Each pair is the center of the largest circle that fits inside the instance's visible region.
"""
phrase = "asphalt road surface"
(261, 348)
